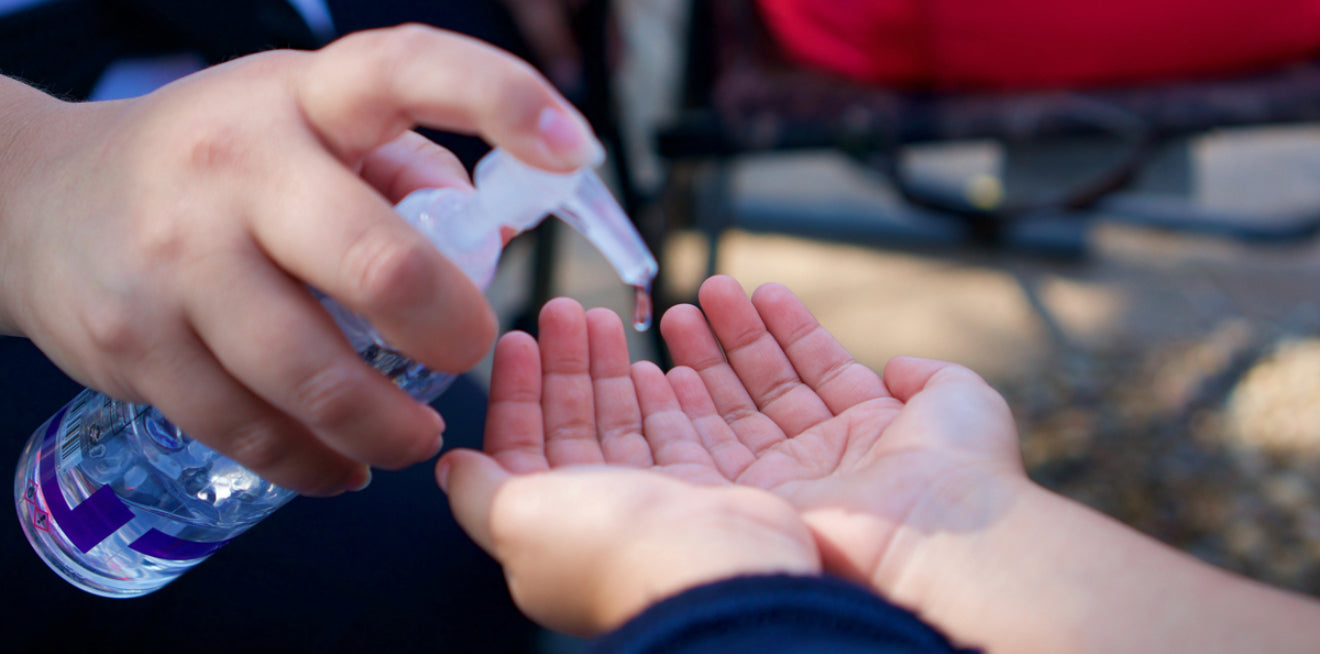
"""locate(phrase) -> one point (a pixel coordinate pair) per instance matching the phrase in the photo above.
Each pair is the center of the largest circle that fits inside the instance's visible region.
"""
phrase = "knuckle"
(778, 389)
(745, 337)
(479, 334)
(113, 327)
(837, 371)
(571, 430)
(162, 242)
(386, 273)
(467, 345)
(518, 79)
(404, 457)
(519, 92)
(327, 398)
(402, 42)
(386, 49)
(258, 445)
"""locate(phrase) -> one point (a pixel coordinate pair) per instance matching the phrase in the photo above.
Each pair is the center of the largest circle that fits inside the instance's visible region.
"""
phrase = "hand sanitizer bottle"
(119, 501)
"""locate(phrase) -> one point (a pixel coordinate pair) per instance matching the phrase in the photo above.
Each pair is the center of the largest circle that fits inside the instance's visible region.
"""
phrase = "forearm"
(1050, 575)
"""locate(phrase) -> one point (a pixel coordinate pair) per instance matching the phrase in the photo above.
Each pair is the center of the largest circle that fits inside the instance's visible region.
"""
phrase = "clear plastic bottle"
(119, 501)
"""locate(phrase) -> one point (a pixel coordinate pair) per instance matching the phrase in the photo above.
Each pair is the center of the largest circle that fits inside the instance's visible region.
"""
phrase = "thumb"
(906, 376)
(471, 480)
(365, 89)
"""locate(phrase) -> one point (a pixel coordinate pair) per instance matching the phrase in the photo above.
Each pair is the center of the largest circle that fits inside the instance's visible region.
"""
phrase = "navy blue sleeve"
(775, 614)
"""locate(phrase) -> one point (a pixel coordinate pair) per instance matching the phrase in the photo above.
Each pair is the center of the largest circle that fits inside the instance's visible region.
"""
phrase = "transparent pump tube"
(120, 502)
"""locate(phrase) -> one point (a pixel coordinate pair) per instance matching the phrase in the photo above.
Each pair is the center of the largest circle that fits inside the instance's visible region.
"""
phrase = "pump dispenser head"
(514, 194)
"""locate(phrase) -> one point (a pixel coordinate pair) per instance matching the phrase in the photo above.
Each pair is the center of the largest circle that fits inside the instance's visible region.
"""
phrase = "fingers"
(412, 162)
(360, 96)
(514, 431)
(673, 440)
(567, 395)
(618, 416)
(730, 455)
(471, 480)
(758, 359)
(568, 400)
(692, 344)
(365, 89)
(269, 331)
(343, 239)
(187, 385)
(817, 357)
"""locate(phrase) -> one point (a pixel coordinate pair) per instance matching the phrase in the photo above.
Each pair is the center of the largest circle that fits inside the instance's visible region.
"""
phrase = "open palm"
(761, 396)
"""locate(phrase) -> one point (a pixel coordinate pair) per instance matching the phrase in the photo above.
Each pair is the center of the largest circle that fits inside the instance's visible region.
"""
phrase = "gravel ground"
(1210, 443)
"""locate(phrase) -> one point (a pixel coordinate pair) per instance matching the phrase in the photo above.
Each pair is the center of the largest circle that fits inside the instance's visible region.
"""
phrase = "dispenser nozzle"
(594, 213)
(519, 196)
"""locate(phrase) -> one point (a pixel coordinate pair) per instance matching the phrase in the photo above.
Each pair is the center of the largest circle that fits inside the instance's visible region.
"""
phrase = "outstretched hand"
(910, 482)
(762, 398)
(585, 548)
(763, 395)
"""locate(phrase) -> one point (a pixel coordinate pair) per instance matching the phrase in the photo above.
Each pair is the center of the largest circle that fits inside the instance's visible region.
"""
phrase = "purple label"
(95, 518)
(164, 546)
(103, 513)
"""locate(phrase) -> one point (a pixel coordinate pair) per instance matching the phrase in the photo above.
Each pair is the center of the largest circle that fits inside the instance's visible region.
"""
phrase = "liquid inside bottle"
(119, 502)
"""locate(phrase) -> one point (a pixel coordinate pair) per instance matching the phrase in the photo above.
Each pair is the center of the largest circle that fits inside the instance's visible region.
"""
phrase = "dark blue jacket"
(775, 614)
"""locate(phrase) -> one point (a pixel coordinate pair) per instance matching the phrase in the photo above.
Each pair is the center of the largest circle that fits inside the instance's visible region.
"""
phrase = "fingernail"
(569, 138)
(442, 474)
(360, 480)
(439, 445)
(439, 427)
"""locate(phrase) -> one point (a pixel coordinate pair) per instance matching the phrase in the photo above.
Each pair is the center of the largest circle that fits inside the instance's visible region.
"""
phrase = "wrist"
(951, 520)
(23, 112)
(685, 552)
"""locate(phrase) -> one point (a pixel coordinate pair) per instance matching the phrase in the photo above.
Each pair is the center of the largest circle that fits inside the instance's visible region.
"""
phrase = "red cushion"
(1010, 44)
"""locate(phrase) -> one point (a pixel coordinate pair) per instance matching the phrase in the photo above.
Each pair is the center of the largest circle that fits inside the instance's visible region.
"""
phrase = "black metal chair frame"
(742, 99)
(724, 118)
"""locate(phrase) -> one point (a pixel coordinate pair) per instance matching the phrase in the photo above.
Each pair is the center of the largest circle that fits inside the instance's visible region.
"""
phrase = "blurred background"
(1163, 364)
(1111, 218)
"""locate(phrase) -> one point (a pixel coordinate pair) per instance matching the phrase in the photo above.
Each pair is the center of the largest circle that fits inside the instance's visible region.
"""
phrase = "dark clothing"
(383, 570)
(776, 615)
(63, 46)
